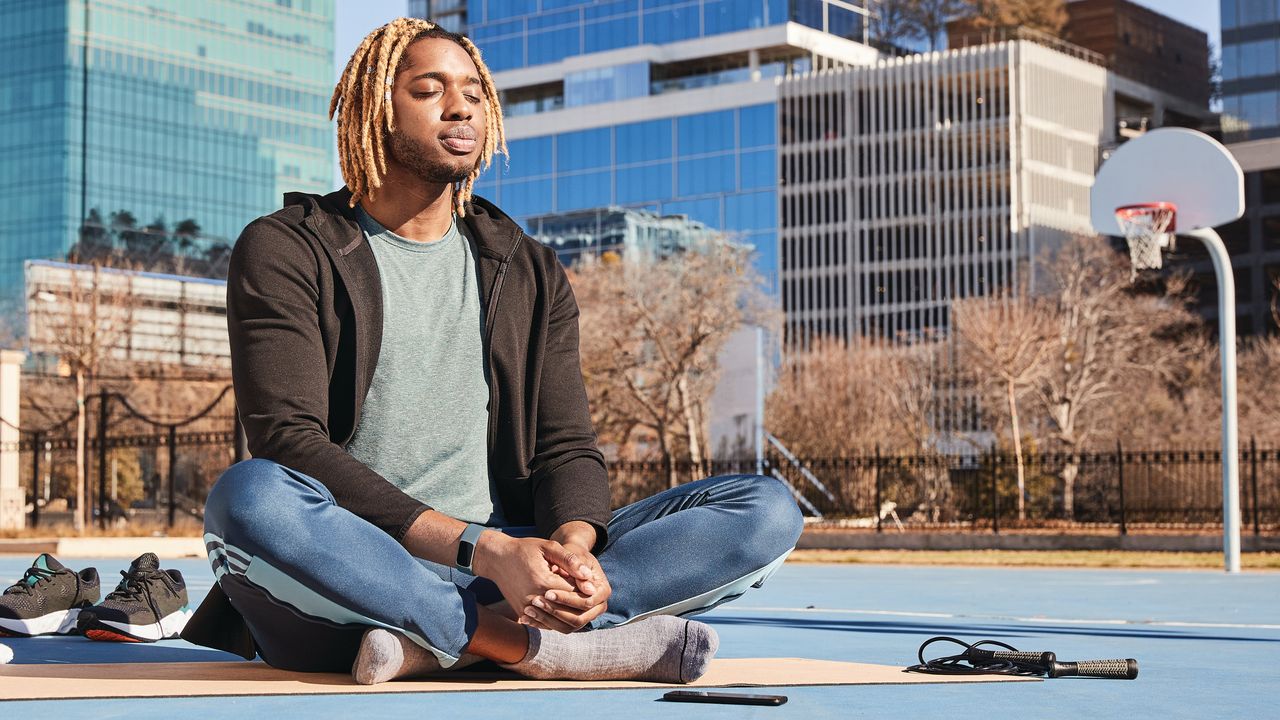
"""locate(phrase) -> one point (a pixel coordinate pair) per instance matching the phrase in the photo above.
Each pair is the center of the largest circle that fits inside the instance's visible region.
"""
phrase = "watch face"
(465, 552)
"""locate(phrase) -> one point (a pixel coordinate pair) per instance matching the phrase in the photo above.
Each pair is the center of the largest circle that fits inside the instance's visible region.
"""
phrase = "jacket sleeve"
(281, 376)
(568, 471)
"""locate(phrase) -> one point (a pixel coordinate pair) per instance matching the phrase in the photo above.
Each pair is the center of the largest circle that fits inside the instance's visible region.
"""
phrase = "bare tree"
(891, 22)
(1048, 16)
(926, 19)
(830, 400)
(1104, 338)
(650, 337)
(1003, 342)
(84, 318)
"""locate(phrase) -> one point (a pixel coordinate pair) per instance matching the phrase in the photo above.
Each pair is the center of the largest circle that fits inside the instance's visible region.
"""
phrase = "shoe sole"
(107, 631)
(62, 622)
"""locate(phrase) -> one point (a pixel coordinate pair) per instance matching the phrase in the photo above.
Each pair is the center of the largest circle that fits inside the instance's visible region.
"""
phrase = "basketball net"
(1148, 227)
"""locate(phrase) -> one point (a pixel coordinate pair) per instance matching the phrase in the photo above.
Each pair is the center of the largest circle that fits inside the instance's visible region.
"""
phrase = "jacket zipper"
(490, 314)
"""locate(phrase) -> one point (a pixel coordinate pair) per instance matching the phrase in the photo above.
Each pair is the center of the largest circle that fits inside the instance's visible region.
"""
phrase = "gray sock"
(661, 648)
(386, 655)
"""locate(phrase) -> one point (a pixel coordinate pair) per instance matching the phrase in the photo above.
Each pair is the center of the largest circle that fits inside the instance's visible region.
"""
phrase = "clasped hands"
(550, 584)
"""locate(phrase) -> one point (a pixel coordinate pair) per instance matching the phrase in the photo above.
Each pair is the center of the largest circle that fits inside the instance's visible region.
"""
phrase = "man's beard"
(411, 154)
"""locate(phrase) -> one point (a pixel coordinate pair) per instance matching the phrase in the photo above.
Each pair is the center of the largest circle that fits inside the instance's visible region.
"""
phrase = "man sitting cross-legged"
(426, 487)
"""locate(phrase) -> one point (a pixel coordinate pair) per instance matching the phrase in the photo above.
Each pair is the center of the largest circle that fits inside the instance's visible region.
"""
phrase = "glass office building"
(636, 236)
(519, 33)
(718, 168)
(660, 105)
(205, 110)
(1250, 69)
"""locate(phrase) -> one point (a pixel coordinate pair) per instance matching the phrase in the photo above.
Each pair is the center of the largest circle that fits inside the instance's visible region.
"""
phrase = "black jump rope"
(1008, 660)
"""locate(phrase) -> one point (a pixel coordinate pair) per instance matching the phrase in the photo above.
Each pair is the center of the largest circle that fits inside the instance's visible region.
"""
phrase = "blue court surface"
(1208, 645)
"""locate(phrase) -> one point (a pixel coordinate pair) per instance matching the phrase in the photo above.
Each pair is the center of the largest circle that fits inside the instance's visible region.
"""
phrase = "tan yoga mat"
(137, 680)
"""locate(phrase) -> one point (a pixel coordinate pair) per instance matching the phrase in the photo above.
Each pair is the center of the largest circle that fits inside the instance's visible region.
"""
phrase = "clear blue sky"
(357, 17)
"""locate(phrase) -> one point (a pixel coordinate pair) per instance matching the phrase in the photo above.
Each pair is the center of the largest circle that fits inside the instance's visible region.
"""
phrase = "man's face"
(440, 112)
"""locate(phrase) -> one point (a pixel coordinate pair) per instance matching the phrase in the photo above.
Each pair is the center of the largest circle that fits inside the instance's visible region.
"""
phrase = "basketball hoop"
(1149, 229)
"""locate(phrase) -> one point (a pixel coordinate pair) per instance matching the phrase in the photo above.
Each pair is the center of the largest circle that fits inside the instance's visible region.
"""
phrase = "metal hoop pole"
(1230, 436)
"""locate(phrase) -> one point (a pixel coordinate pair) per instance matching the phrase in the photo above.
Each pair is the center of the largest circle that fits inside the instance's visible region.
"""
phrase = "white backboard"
(1177, 165)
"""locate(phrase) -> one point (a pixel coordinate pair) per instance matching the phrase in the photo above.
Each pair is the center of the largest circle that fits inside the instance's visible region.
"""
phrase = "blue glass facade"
(1251, 69)
(719, 168)
(520, 33)
(199, 109)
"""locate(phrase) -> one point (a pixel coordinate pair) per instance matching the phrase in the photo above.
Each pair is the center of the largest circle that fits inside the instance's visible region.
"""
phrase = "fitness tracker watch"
(467, 547)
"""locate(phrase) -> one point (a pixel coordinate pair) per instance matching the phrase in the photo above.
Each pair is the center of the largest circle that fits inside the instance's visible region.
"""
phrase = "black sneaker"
(47, 600)
(149, 604)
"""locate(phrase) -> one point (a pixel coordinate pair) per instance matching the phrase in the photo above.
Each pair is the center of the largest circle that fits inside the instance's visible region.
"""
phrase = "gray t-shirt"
(425, 421)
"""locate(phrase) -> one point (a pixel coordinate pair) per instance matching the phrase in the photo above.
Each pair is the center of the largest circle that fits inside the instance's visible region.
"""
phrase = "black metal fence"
(1121, 489)
(170, 465)
(137, 466)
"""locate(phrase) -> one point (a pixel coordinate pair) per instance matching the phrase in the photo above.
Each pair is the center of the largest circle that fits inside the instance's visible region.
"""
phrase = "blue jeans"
(309, 576)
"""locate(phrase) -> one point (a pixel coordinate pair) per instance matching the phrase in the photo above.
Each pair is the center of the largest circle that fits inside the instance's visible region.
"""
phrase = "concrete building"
(1250, 69)
(201, 110)
(921, 180)
(145, 318)
(1143, 45)
(924, 179)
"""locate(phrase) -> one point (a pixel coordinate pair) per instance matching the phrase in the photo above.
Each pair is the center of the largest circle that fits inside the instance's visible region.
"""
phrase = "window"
(750, 211)
(583, 150)
(611, 34)
(1257, 58)
(606, 84)
(704, 133)
(553, 45)
(524, 198)
(582, 190)
(643, 183)
(643, 141)
(757, 126)
(1261, 109)
(759, 169)
(1270, 180)
(706, 175)
(671, 24)
(528, 158)
(1253, 12)
(704, 211)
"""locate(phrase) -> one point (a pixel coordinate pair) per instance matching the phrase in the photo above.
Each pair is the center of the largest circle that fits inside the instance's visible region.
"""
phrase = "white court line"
(955, 616)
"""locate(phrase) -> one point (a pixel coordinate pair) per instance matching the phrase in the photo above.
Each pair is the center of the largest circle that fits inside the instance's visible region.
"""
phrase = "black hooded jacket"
(304, 313)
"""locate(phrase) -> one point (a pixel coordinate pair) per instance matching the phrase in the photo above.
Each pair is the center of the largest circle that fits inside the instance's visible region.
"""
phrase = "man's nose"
(456, 106)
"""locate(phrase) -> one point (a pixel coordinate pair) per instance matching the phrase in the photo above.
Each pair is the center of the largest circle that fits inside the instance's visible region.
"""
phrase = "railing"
(173, 463)
(1116, 490)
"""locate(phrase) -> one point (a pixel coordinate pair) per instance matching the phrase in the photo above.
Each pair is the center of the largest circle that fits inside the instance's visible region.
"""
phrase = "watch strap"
(467, 547)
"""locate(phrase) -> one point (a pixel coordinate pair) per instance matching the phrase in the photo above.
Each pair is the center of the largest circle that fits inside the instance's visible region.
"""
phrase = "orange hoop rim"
(1125, 212)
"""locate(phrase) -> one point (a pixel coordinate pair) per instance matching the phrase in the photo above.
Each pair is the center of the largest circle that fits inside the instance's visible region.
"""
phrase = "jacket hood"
(332, 218)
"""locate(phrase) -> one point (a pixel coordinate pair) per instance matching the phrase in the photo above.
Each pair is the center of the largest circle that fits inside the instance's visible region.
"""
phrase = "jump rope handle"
(1042, 659)
(1114, 669)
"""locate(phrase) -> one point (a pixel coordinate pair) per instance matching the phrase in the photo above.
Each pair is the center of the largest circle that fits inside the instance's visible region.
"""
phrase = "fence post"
(975, 493)
(103, 509)
(1253, 480)
(1124, 529)
(876, 475)
(995, 494)
(173, 469)
(35, 479)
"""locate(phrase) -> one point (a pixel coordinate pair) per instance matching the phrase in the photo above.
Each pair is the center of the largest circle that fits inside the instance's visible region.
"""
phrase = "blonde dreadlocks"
(362, 103)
